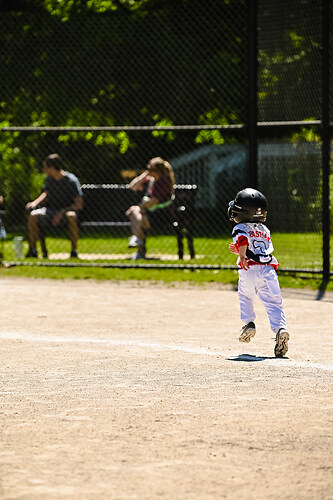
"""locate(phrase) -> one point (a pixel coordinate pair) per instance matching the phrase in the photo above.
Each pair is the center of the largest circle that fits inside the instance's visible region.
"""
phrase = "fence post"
(252, 95)
(326, 139)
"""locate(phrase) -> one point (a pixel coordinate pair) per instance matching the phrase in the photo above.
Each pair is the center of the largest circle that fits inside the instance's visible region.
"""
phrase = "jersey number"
(261, 245)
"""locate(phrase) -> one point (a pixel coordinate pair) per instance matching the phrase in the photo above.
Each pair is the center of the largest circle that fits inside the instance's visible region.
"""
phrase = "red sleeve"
(242, 241)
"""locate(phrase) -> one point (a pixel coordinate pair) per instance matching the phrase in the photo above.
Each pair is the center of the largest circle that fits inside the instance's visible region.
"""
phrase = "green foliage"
(143, 62)
(105, 69)
(104, 63)
(19, 176)
(65, 9)
(286, 69)
(163, 122)
(307, 134)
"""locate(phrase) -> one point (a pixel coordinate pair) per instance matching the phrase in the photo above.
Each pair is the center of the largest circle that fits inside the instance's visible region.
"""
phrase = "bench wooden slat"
(105, 204)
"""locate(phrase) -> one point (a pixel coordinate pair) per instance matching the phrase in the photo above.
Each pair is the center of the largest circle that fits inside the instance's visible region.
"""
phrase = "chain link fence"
(108, 90)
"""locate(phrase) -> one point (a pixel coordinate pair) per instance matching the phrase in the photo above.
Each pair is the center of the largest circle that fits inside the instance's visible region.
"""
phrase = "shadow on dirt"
(250, 358)
(322, 290)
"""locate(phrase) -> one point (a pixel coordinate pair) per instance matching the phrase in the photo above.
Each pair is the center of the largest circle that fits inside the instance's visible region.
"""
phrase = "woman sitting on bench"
(158, 182)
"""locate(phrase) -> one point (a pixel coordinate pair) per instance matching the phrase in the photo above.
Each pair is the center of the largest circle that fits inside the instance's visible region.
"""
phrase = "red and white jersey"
(257, 237)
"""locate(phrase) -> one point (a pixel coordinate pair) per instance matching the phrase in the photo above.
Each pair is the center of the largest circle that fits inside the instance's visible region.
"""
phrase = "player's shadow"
(250, 358)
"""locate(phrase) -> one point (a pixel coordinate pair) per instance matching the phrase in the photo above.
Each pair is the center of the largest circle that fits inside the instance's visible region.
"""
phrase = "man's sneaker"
(74, 254)
(248, 331)
(31, 253)
(281, 343)
(134, 241)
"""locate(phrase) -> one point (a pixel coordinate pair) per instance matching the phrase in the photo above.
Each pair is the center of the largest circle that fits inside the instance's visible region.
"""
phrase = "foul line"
(162, 347)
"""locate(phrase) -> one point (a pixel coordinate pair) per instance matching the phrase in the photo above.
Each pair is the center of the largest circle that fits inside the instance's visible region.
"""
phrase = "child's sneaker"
(281, 343)
(248, 331)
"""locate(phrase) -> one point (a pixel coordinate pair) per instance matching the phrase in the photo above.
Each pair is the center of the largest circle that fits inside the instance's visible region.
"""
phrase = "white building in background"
(213, 165)
(202, 167)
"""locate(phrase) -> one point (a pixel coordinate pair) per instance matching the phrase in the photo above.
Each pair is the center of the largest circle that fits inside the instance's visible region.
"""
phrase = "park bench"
(105, 206)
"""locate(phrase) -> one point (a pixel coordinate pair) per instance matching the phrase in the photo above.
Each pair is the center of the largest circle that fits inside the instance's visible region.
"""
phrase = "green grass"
(292, 250)
(299, 250)
(303, 251)
(167, 276)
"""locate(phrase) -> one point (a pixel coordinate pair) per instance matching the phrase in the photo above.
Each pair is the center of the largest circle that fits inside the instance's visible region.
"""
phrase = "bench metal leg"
(43, 243)
(182, 232)
(189, 237)
(180, 245)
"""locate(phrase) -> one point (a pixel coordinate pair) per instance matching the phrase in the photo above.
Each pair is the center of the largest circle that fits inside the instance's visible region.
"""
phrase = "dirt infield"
(129, 391)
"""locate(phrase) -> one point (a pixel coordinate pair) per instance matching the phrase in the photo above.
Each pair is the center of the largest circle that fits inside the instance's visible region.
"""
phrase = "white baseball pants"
(261, 281)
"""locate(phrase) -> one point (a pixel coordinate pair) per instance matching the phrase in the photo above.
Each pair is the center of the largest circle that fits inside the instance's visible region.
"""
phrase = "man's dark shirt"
(61, 193)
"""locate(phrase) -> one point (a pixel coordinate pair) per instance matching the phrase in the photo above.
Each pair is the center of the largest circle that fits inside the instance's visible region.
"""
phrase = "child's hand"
(243, 262)
(233, 248)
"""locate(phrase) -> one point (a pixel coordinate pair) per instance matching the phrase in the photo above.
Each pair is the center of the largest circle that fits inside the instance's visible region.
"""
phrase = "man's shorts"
(45, 217)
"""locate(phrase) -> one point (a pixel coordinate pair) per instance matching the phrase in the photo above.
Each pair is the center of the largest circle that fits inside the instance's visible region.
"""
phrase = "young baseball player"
(257, 274)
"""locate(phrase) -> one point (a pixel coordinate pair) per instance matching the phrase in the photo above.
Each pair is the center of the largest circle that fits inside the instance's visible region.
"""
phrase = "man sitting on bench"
(62, 200)
(158, 182)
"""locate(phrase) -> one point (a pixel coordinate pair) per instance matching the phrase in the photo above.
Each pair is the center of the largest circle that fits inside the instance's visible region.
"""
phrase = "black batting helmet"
(249, 206)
